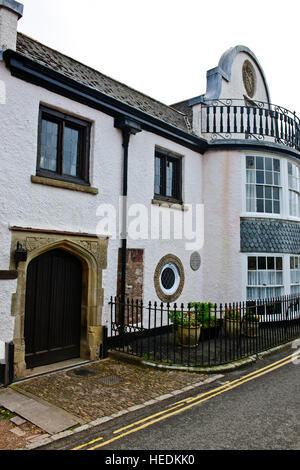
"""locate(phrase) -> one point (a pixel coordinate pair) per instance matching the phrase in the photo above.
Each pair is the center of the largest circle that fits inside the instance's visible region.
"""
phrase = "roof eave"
(31, 71)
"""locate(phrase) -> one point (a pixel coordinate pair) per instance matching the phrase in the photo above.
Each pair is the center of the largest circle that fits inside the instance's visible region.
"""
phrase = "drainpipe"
(128, 127)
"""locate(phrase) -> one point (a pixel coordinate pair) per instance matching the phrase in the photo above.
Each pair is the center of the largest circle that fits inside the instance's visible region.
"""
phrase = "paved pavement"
(105, 388)
(47, 417)
(261, 411)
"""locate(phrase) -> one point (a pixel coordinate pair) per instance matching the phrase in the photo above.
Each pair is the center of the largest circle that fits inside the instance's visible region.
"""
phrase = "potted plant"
(208, 319)
(188, 327)
(232, 322)
(250, 324)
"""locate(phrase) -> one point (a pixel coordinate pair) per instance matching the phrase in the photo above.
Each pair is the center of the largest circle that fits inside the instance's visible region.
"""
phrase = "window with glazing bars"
(294, 189)
(265, 277)
(295, 275)
(168, 179)
(63, 147)
(263, 185)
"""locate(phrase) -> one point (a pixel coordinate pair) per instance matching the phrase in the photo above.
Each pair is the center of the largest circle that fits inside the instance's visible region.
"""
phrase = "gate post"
(104, 346)
(9, 363)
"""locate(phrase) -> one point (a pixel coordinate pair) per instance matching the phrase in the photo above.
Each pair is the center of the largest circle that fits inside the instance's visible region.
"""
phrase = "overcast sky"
(164, 47)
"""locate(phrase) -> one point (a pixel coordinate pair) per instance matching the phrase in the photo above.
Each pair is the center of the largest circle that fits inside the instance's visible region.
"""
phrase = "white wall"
(25, 204)
(2, 352)
(235, 88)
(29, 205)
(222, 260)
(6, 320)
(141, 191)
(216, 179)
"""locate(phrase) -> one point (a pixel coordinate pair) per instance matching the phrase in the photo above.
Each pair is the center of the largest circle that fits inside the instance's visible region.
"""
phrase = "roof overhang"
(33, 72)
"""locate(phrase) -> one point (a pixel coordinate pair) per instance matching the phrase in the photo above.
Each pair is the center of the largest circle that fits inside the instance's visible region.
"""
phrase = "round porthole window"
(169, 278)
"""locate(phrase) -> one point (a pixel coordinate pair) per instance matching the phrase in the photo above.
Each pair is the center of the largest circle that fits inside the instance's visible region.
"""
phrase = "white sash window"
(265, 277)
(263, 185)
(294, 189)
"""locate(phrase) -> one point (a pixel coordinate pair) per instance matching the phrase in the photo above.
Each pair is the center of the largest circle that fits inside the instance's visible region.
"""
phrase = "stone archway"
(92, 252)
(53, 308)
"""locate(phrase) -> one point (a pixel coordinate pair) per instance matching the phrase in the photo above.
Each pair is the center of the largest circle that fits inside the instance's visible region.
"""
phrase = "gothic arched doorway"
(53, 308)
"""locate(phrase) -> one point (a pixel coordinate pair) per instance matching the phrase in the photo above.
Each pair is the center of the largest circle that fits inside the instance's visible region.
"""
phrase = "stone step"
(47, 417)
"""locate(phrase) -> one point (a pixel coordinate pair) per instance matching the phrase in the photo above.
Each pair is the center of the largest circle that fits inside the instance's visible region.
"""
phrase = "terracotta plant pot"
(188, 337)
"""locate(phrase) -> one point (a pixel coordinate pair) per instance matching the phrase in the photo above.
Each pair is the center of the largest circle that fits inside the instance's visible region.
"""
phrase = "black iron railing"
(202, 334)
(233, 119)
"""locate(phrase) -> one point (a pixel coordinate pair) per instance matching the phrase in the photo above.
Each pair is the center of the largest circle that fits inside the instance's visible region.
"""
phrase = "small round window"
(169, 279)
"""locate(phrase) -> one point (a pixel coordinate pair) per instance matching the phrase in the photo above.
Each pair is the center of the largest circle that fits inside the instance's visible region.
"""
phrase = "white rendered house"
(98, 181)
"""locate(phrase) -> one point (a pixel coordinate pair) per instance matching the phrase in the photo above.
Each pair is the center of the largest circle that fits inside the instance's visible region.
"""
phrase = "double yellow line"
(186, 404)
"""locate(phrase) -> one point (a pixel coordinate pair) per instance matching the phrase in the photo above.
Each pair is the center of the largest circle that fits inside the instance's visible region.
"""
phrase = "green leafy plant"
(200, 314)
(184, 318)
(204, 307)
(206, 311)
(149, 357)
(5, 414)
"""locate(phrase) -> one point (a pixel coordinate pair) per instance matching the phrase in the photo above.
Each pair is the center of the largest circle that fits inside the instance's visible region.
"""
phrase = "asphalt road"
(260, 411)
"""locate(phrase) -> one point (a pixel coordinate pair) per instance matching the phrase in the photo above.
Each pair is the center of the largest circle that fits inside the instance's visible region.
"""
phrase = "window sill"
(64, 185)
(170, 205)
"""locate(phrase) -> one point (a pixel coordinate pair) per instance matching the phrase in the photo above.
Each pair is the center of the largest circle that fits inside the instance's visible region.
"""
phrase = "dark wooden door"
(53, 308)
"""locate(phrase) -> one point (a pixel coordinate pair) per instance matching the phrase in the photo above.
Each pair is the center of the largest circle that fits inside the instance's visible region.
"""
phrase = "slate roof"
(270, 236)
(184, 108)
(88, 76)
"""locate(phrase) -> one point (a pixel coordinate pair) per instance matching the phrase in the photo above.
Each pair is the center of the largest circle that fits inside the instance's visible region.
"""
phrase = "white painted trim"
(2, 352)
(287, 274)
(285, 265)
(175, 270)
(284, 188)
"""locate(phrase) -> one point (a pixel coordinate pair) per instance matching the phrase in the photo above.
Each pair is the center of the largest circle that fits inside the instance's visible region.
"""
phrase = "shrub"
(206, 311)
(201, 313)
(184, 318)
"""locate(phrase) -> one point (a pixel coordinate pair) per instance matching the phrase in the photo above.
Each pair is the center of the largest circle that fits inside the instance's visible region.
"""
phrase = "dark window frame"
(83, 164)
(165, 157)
